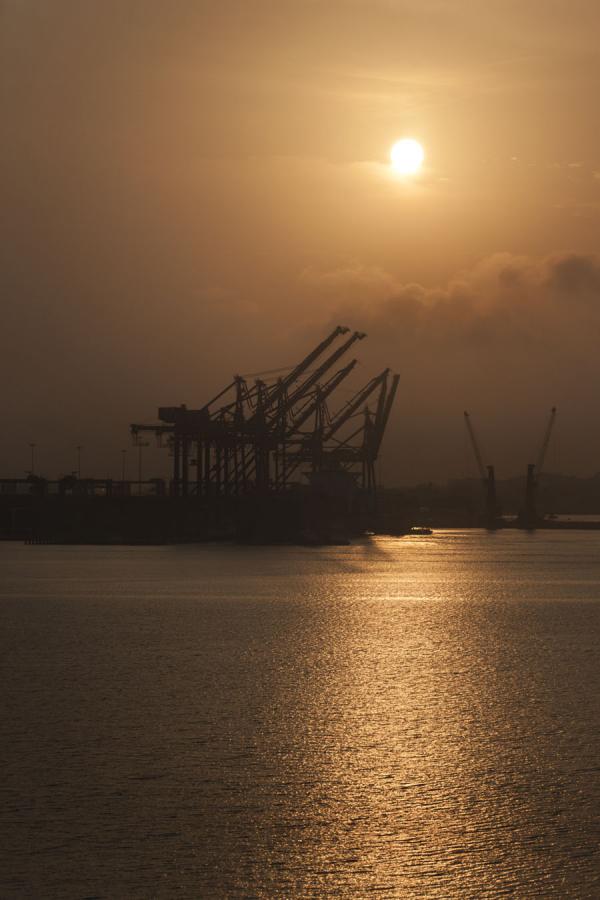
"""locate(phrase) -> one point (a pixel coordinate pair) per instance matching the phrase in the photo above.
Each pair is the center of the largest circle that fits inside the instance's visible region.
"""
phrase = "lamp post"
(32, 446)
(123, 456)
(79, 449)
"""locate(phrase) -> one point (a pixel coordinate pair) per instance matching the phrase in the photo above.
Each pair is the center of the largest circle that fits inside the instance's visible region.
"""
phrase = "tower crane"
(488, 478)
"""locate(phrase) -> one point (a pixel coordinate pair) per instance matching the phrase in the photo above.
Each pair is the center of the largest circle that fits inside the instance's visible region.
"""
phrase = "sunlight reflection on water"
(414, 717)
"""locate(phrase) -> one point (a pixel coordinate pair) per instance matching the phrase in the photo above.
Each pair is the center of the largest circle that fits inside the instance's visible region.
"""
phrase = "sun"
(407, 156)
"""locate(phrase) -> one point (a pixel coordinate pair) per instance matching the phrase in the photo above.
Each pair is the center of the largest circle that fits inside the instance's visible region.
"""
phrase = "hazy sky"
(192, 189)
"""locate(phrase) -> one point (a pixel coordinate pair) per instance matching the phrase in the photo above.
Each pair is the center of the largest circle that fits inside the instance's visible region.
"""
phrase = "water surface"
(413, 717)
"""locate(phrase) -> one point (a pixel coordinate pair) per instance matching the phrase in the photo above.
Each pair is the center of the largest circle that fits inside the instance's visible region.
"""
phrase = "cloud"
(507, 339)
(503, 300)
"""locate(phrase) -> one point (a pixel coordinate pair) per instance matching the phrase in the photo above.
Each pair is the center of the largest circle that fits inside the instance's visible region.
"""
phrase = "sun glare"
(407, 156)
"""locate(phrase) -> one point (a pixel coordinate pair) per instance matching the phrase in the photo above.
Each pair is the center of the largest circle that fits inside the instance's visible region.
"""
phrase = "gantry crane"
(252, 438)
(529, 516)
(488, 479)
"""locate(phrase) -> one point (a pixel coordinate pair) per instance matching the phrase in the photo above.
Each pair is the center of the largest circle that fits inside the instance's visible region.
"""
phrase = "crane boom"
(475, 446)
(382, 420)
(323, 368)
(354, 404)
(299, 370)
(326, 390)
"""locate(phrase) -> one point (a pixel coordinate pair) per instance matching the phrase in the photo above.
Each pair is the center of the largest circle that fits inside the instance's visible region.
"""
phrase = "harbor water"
(413, 717)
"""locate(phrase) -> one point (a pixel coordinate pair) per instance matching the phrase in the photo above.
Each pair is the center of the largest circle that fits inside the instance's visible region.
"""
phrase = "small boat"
(420, 529)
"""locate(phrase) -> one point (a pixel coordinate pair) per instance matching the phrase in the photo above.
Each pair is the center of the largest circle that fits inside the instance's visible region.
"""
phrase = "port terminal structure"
(265, 437)
(267, 460)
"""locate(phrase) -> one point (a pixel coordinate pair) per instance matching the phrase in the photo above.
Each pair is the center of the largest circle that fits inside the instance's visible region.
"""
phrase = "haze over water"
(412, 717)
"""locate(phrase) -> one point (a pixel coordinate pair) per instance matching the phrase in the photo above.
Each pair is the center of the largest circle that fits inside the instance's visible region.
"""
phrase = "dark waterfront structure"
(262, 438)
(276, 460)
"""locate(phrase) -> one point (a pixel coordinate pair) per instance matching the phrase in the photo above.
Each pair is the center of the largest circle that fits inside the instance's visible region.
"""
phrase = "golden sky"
(196, 188)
